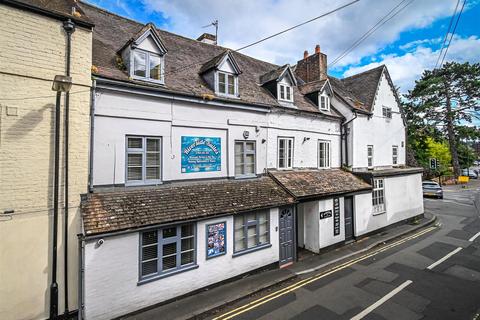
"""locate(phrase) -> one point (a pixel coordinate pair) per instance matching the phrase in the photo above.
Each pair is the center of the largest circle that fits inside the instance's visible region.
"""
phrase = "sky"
(408, 43)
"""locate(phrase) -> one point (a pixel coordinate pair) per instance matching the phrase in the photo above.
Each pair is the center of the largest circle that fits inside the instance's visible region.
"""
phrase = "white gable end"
(385, 97)
(226, 66)
(149, 45)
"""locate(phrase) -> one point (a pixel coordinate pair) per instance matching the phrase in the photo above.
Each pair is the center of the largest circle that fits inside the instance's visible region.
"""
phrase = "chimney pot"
(317, 49)
(305, 54)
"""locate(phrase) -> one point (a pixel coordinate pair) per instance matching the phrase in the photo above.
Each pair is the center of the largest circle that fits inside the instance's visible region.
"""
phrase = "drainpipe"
(69, 28)
(54, 284)
(92, 123)
(345, 135)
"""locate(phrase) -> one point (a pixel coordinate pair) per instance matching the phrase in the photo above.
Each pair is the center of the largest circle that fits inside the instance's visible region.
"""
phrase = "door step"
(285, 265)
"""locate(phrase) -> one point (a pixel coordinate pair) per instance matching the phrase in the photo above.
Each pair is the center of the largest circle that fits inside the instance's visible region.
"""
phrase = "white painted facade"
(403, 200)
(315, 233)
(403, 192)
(118, 115)
(111, 277)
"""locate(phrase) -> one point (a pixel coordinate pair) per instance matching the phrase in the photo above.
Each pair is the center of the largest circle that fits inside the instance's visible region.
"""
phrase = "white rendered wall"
(380, 132)
(305, 151)
(327, 237)
(310, 226)
(111, 271)
(119, 115)
(403, 200)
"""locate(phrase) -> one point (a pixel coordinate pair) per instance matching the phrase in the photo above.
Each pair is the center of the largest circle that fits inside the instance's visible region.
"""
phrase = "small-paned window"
(378, 196)
(227, 84)
(244, 158)
(285, 92)
(147, 65)
(251, 230)
(143, 160)
(166, 250)
(285, 153)
(387, 112)
(324, 102)
(370, 156)
(324, 154)
(395, 155)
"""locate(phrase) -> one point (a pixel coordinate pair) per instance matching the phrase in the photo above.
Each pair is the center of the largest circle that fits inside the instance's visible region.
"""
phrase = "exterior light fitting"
(62, 83)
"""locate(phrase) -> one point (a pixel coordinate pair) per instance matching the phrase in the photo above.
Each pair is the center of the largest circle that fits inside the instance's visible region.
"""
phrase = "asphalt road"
(433, 274)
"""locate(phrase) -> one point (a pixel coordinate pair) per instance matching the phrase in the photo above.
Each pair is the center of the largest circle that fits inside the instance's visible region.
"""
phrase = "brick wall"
(312, 68)
(32, 52)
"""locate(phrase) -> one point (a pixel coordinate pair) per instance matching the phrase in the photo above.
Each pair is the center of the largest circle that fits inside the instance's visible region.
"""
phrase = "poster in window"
(201, 154)
(216, 239)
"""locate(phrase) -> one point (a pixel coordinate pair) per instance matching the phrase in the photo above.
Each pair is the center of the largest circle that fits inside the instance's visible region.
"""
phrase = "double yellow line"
(274, 295)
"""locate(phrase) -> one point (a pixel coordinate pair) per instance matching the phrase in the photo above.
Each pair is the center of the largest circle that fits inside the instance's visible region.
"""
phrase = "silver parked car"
(432, 189)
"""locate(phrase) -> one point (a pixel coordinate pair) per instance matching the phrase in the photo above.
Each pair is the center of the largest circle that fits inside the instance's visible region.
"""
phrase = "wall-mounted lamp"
(305, 139)
(264, 140)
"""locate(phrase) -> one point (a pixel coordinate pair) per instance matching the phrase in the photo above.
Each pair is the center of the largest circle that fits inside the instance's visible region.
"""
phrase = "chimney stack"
(313, 67)
(207, 38)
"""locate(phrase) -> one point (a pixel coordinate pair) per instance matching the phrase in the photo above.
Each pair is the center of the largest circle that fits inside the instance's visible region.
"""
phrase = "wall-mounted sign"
(325, 214)
(336, 216)
(201, 154)
(216, 239)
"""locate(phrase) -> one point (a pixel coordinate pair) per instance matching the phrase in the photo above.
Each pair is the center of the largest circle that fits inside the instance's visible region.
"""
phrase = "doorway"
(287, 235)
(348, 209)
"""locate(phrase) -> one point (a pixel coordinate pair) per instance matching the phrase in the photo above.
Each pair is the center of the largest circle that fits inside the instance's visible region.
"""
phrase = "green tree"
(441, 152)
(466, 155)
(447, 97)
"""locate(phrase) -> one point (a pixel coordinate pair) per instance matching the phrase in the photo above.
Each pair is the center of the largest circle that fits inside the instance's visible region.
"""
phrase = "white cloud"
(408, 67)
(243, 22)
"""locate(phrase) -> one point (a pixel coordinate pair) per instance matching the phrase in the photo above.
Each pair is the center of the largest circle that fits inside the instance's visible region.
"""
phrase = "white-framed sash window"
(323, 154)
(378, 196)
(285, 153)
(143, 160)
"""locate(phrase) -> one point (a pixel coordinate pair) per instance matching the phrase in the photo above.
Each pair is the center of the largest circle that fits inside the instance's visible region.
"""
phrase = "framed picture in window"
(216, 237)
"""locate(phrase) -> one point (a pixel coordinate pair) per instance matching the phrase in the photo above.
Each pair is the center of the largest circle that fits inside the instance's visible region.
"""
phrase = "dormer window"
(226, 84)
(324, 102)
(144, 55)
(147, 65)
(285, 92)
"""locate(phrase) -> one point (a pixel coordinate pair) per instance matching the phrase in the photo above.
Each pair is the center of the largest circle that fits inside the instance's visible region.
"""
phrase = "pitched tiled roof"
(340, 90)
(183, 62)
(312, 86)
(310, 183)
(364, 85)
(273, 74)
(116, 211)
(59, 7)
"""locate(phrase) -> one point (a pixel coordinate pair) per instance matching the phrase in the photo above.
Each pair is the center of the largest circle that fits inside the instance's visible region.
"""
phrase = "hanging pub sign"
(216, 239)
(201, 154)
(336, 216)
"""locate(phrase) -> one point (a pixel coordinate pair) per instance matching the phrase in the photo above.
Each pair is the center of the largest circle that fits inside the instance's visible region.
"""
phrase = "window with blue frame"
(167, 250)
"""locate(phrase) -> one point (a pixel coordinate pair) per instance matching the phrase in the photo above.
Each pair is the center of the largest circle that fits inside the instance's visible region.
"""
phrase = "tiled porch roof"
(127, 210)
(312, 183)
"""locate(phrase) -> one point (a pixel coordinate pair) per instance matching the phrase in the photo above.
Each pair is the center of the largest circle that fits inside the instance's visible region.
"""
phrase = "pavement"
(212, 302)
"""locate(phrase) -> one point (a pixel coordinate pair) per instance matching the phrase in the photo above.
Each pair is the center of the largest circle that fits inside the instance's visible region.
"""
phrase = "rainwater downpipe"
(69, 28)
(345, 135)
(93, 99)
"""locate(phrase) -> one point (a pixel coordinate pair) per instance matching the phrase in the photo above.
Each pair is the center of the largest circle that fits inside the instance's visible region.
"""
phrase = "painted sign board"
(336, 216)
(216, 239)
(325, 214)
(201, 154)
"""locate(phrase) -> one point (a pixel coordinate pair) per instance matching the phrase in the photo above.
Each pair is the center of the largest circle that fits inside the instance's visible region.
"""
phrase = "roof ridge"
(366, 71)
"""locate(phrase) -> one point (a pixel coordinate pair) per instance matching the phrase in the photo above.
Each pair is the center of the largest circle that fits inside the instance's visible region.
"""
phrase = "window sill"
(226, 95)
(246, 176)
(378, 213)
(250, 250)
(143, 183)
(167, 274)
(162, 82)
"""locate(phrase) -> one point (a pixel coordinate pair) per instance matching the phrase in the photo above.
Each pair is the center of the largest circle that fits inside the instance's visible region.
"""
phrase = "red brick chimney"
(312, 68)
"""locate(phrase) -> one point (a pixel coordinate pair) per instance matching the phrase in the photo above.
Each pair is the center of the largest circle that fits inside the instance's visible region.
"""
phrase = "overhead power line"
(453, 32)
(446, 34)
(267, 38)
(390, 15)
